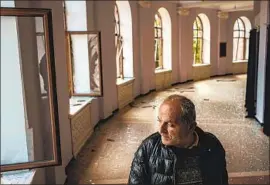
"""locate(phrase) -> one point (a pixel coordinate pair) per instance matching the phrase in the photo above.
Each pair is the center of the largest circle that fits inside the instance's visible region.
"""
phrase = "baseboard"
(115, 111)
(66, 169)
(227, 74)
(142, 95)
(178, 83)
(100, 122)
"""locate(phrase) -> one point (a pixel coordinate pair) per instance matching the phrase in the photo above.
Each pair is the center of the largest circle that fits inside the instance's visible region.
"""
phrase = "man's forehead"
(168, 109)
(173, 105)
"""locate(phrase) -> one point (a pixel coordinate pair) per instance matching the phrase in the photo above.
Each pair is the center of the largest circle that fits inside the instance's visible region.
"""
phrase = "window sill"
(201, 65)
(124, 81)
(77, 103)
(157, 71)
(240, 61)
(20, 177)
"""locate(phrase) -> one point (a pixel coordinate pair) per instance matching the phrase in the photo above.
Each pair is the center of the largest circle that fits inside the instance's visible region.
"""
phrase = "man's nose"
(163, 128)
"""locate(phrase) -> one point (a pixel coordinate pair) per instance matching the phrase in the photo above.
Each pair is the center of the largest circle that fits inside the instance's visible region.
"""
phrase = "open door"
(266, 128)
(252, 72)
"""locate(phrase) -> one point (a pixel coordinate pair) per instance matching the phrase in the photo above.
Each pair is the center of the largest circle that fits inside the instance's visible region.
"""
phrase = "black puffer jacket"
(154, 163)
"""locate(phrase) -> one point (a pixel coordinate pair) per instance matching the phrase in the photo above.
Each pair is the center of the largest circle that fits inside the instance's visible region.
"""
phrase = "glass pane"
(195, 25)
(27, 110)
(95, 68)
(8, 3)
(159, 35)
(158, 52)
(242, 34)
(116, 13)
(247, 33)
(197, 50)
(80, 63)
(236, 25)
(247, 49)
(43, 77)
(39, 25)
(238, 49)
(119, 57)
(157, 20)
(240, 54)
(13, 146)
(241, 24)
(236, 34)
(198, 23)
(200, 34)
(76, 15)
(235, 48)
(117, 29)
(195, 33)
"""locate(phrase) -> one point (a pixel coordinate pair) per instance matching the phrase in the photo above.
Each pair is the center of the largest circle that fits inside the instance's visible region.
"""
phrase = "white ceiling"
(227, 6)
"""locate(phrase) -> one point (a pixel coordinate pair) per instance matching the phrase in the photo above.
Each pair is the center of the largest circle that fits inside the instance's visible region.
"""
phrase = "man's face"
(172, 132)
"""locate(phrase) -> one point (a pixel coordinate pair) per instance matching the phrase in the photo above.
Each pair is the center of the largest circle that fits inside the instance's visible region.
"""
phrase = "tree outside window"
(198, 41)
(158, 42)
(118, 45)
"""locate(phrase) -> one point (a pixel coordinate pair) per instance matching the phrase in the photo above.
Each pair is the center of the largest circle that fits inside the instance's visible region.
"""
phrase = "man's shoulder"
(151, 141)
(208, 139)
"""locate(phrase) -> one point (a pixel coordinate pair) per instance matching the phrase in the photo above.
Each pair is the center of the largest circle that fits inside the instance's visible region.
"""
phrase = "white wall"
(104, 21)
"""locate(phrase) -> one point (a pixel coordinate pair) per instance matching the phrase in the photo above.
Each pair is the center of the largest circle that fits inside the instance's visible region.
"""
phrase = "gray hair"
(187, 109)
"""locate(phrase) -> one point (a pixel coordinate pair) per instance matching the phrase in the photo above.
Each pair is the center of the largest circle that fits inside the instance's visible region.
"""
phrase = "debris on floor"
(112, 140)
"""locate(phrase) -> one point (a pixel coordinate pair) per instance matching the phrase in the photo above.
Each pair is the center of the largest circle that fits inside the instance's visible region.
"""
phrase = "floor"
(107, 155)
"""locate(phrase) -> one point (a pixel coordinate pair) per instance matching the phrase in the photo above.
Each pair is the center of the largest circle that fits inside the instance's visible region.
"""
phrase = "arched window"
(198, 41)
(118, 44)
(123, 40)
(241, 30)
(158, 41)
(201, 40)
(163, 39)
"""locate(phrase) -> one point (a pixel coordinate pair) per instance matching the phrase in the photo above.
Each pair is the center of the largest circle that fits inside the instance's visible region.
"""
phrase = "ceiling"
(226, 6)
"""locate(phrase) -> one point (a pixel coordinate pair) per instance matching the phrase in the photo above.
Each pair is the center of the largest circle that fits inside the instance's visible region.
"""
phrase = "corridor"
(107, 155)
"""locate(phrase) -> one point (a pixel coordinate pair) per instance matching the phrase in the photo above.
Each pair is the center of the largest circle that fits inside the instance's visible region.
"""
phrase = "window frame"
(158, 29)
(46, 14)
(197, 38)
(70, 63)
(244, 37)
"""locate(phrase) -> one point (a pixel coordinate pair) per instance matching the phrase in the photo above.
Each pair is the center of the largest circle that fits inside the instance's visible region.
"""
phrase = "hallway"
(106, 157)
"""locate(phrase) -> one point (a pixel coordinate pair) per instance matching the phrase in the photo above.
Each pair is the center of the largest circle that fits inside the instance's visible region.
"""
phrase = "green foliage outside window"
(197, 50)
(197, 46)
(158, 40)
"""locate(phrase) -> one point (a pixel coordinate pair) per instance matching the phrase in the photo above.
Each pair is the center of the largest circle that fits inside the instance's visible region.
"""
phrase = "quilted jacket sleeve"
(224, 167)
(139, 170)
(222, 163)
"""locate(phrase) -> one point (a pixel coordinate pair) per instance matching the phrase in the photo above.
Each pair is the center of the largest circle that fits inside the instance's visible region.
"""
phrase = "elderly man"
(180, 152)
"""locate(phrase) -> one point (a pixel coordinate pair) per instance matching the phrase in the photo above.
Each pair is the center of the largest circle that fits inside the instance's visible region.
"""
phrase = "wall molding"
(183, 11)
(223, 15)
(145, 4)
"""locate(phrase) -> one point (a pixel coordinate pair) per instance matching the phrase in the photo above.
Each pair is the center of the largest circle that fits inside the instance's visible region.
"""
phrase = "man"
(180, 153)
